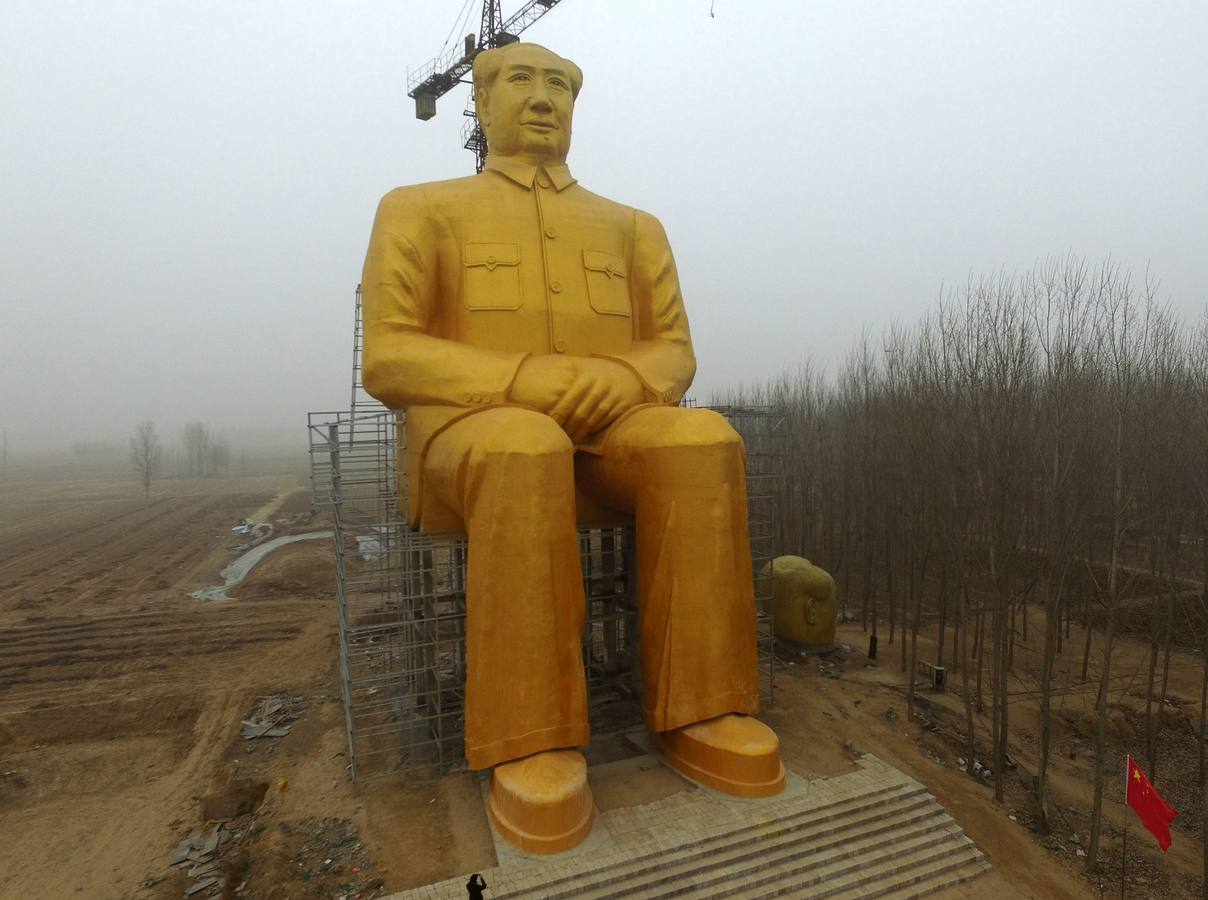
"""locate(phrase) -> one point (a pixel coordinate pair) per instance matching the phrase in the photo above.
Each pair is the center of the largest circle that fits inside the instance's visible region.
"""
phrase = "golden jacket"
(465, 278)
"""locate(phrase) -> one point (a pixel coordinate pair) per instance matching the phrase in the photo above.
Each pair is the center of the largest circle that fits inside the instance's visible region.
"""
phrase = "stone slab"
(665, 825)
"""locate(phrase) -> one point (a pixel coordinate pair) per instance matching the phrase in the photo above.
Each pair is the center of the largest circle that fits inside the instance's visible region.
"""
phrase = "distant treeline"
(1035, 438)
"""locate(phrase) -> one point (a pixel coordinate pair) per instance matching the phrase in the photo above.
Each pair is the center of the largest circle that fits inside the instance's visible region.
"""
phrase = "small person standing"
(475, 886)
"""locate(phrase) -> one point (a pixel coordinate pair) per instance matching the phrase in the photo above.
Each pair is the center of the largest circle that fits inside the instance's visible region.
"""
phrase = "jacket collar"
(524, 174)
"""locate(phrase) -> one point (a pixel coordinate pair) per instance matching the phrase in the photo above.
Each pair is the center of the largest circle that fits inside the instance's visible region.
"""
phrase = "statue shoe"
(542, 803)
(732, 753)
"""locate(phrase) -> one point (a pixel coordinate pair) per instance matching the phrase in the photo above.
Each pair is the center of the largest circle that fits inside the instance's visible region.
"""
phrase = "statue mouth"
(541, 125)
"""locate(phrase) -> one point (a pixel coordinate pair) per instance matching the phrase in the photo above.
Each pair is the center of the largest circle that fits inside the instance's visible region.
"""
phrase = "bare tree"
(1061, 316)
(1123, 338)
(1013, 463)
(1198, 475)
(202, 452)
(146, 453)
(194, 445)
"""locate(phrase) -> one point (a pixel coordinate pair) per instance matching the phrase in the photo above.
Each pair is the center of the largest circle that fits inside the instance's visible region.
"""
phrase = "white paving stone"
(714, 844)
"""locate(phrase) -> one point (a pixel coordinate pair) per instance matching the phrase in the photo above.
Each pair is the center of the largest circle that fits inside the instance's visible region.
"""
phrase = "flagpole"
(1124, 849)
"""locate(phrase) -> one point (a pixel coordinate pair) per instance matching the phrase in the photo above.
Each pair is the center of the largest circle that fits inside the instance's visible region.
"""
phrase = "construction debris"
(200, 849)
(258, 532)
(274, 717)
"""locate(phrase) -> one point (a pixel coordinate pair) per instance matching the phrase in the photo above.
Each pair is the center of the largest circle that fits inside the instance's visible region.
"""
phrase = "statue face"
(529, 107)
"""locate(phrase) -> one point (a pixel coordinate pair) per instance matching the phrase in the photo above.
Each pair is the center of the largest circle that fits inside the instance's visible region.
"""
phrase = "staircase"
(870, 833)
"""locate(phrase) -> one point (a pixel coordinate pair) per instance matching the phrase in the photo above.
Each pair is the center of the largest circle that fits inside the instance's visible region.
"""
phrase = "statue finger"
(565, 407)
(605, 412)
(576, 425)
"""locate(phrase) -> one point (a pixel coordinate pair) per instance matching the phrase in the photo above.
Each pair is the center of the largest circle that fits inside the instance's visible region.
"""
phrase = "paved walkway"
(714, 844)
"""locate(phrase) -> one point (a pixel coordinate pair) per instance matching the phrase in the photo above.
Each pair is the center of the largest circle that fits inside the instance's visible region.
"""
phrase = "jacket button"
(551, 232)
(467, 396)
(560, 346)
(556, 287)
(543, 181)
(478, 398)
(490, 259)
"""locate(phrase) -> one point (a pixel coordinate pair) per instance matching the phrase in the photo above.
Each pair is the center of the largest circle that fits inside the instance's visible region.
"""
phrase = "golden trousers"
(510, 473)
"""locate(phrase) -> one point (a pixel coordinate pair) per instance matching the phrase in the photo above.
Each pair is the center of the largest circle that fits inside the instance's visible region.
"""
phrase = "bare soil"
(121, 700)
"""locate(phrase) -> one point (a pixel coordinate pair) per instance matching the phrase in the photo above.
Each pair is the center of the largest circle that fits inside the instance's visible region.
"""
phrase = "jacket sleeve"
(661, 356)
(404, 364)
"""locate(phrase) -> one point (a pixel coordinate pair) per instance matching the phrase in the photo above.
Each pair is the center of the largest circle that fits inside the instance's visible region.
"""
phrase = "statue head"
(524, 96)
(804, 599)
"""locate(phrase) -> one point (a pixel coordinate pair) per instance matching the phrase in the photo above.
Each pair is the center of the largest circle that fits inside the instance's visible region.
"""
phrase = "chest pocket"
(491, 276)
(607, 286)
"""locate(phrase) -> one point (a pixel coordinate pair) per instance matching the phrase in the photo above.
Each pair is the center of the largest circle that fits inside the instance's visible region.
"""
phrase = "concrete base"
(869, 832)
(542, 803)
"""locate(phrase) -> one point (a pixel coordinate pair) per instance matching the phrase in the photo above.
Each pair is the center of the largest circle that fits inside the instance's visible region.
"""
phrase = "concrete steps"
(896, 839)
(746, 848)
(871, 833)
(874, 870)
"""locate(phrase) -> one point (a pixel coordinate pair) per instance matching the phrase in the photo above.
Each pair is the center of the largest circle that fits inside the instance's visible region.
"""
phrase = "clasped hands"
(581, 393)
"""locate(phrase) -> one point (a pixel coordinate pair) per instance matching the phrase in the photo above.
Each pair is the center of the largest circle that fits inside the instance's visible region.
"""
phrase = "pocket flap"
(491, 255)
(610, 264)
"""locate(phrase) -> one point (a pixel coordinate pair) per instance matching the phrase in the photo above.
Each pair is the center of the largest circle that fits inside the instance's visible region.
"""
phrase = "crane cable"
(458, 24)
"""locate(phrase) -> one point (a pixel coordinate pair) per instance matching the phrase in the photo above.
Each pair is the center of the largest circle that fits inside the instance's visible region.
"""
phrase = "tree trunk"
(1092, 851)
(1086, 611)
(1011, 636)
(917, 597)
(979, 648)
(1113, 601)
(1200, 741)
(906, 607)
(1052, 633)
(889, 585)
(962, 630)
(939, 644)
(1149, 684)
(1086, 649)
(869, 561)
(1165, 679)
(999, 690)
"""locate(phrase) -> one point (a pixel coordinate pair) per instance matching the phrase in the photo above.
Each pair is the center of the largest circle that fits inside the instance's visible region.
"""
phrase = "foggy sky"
(187, 188)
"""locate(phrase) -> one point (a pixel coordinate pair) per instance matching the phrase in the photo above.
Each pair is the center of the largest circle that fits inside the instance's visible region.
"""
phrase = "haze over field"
(188, 188)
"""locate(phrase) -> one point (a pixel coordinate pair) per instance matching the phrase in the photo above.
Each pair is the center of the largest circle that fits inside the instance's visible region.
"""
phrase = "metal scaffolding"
(402, 603)
(401, 593)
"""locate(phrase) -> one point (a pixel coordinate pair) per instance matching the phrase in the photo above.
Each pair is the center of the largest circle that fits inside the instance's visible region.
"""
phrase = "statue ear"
(481, 107)
(811, 611)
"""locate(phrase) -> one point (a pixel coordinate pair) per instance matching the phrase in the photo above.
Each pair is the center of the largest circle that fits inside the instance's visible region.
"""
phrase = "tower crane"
(440, 75)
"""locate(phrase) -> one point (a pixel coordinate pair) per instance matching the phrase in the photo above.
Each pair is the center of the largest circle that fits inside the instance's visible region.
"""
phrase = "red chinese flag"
(1148, 804)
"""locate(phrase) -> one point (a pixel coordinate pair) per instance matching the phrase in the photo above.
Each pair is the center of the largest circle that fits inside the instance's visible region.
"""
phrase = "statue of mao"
(535, 334)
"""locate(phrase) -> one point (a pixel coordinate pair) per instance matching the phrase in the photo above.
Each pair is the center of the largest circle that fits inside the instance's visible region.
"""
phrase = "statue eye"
(558, 83)
(520, 77)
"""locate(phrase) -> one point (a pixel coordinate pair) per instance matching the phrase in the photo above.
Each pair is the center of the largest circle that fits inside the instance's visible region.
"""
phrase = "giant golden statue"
(536, 337)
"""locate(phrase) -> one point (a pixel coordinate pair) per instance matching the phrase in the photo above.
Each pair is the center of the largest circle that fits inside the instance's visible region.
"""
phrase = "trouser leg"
(680, 472)
(510, 474)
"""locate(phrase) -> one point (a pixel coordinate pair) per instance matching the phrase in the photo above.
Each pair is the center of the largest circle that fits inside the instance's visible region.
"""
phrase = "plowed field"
(121, 699)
